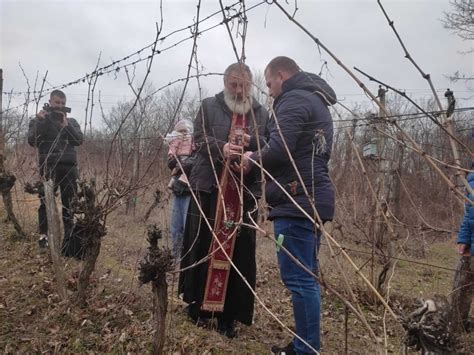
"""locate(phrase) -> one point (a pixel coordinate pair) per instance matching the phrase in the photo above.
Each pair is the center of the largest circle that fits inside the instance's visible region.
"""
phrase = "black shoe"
(467, 325)
(43, 241)
(201, 322)
(226, 327)
(287, 350)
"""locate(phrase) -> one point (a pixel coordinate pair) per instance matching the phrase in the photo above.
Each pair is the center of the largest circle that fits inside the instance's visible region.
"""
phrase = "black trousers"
(65, 178)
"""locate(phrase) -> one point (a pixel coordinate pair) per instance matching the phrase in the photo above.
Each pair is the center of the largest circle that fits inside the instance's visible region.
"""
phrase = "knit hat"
(184, 125)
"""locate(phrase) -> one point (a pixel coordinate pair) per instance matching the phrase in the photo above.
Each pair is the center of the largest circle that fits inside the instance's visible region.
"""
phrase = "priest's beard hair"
(240, 106)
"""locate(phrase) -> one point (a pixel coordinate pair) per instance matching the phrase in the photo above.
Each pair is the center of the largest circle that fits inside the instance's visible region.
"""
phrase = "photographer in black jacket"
(56, 136)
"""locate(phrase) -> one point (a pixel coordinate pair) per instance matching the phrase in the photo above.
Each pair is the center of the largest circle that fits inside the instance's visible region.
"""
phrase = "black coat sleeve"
(172, 163)
(42, 131)
(73, 132)
(33, 133)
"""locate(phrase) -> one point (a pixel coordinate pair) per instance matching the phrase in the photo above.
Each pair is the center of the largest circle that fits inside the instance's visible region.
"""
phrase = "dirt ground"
(118, 316)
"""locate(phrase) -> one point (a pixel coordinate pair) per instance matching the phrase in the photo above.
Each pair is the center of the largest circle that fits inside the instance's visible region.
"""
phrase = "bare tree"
(461, 19)
(259, 88)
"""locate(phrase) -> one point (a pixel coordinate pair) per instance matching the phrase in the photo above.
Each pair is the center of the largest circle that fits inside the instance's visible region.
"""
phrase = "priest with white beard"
(226, 125)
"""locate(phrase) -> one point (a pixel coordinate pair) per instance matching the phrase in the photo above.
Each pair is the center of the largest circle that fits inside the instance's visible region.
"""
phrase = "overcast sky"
(65, 38)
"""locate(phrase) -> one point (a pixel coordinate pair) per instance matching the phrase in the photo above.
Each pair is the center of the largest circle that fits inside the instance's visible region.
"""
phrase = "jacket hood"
(312, 83)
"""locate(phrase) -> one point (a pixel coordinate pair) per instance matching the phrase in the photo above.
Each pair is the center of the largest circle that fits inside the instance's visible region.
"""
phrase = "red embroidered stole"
(225, 228)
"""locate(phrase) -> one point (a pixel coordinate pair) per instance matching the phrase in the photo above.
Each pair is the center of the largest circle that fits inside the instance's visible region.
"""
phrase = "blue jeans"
(301, 240)
(178, 221)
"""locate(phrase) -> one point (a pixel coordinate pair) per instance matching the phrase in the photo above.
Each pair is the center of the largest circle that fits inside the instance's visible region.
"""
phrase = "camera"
(48, 108)
(55, 112)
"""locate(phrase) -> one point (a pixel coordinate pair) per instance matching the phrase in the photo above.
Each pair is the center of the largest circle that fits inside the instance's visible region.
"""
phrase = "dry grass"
(118, 317)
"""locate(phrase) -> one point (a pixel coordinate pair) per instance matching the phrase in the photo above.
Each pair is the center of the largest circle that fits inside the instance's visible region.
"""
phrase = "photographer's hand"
(63, 123)
(41, 115)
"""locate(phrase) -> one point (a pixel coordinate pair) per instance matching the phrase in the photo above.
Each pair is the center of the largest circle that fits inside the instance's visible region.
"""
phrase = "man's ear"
(282, 75)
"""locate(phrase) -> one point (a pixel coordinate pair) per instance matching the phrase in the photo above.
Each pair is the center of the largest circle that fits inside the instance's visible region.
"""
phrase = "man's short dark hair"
(237, 67)
(282, 63)
(57, 93)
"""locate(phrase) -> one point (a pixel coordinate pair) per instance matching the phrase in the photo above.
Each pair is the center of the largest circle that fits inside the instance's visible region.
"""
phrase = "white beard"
(237, 106)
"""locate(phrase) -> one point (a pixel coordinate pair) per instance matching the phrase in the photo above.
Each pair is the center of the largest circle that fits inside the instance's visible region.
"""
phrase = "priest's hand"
(232, 151)
(245, 165)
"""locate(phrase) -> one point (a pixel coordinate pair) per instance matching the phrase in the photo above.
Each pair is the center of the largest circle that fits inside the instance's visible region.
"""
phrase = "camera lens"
(56, 116)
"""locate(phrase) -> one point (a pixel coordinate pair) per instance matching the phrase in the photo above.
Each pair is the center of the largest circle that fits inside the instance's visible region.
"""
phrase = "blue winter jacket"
(466, 231)
(306, 124)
